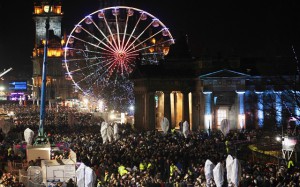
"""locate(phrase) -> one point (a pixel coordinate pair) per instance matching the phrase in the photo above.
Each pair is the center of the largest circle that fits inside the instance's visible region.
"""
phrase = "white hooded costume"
(165, 125)
(185, 129)
(28, 136)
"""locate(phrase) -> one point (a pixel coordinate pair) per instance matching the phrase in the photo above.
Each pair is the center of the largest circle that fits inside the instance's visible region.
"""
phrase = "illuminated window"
(58, 9)
(221, 115)
(38, 10)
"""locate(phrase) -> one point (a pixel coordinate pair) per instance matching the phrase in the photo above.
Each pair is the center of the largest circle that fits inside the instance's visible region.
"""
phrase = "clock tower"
(57, 87)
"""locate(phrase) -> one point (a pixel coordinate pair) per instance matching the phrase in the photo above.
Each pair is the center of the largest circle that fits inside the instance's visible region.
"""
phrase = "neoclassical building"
(247, 92)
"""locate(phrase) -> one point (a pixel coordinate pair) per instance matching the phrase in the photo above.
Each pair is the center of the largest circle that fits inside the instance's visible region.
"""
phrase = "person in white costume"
(28, 136)
(116, 132)
(185, 129)
(165, 125)
(103, 131)
(85, 175)
(110, 132)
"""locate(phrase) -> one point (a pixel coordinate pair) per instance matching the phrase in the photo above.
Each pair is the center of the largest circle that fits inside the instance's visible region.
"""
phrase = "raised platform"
(42, 152)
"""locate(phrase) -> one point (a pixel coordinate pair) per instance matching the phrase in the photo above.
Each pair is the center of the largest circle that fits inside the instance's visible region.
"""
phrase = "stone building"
(246, 92)
(57, 86)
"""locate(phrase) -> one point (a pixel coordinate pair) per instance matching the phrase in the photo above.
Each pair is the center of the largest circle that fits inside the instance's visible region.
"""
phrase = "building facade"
(247, 93)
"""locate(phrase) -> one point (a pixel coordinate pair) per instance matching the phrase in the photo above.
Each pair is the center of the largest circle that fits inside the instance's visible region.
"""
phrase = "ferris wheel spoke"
(91, 44)
(106, 38)
(149, 46)
(125, 30)
(132, 32)
(83, 68)
(135, 39)
(145, 40)
(73, 60)
(85, 77)
(118, 32)
(111, 34)
(87, 51)
(100, 41)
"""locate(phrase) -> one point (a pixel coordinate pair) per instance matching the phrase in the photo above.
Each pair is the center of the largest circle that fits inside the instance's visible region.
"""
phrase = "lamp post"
(41, 136)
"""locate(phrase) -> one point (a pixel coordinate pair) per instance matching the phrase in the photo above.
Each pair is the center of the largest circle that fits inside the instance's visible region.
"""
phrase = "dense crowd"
(139, 158)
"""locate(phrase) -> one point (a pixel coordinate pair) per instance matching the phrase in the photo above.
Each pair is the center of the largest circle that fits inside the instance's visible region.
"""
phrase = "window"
(221, 115)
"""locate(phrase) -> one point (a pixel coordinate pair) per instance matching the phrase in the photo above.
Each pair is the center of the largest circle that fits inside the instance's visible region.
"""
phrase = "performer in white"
(236, 172)
(103, 131)
(218, 173)
(164, 125)
(110, 132)
(229, 162)
(28, 136)
(85, 175)
(116, 132)
(186, 129)
(208, 171)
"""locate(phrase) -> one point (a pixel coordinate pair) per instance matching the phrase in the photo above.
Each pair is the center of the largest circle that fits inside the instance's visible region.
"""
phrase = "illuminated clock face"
(47, 8)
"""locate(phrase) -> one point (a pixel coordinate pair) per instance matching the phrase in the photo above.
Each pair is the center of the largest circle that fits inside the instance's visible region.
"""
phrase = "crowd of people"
(136, 158)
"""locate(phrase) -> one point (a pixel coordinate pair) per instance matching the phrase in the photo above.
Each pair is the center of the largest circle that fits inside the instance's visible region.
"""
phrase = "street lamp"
(41, 136)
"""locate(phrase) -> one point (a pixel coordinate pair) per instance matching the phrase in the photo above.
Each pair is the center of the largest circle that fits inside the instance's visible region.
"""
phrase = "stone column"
(186, 111)
(151, 111)
(207, 111)
(167, 106)
(139, 112)
(195, 123)
(241, 115)
(278, 106)
(260, 109)
(297, 108)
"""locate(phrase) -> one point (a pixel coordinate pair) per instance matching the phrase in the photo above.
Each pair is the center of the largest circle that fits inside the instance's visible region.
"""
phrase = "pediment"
(224, 73)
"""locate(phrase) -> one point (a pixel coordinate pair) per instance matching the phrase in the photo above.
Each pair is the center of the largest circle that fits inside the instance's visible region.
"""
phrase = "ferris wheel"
(103, 48)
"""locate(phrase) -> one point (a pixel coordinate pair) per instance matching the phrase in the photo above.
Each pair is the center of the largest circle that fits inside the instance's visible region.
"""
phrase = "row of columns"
(147, 115)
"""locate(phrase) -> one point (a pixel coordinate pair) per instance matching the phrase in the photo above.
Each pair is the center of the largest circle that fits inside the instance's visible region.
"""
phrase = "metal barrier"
(32, 184)
(264, 158)
(25, 179)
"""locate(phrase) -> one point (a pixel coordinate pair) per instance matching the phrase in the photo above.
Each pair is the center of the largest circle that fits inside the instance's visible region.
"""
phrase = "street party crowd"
(133, 158)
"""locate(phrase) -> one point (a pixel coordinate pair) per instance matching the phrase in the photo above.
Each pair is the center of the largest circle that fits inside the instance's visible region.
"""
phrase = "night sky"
(227, 28)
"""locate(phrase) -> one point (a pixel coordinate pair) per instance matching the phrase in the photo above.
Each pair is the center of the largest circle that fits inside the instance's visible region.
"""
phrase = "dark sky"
(226, 28)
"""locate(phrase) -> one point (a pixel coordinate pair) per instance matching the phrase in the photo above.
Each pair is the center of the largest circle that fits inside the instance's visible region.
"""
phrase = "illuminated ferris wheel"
(102, 49)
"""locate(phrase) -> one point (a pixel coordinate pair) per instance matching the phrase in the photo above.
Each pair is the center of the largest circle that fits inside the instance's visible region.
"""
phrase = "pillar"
(151, 111)
(260, 109)
(185, 111)
(207, 111)
(241, 111)
(278, 106)
(167, 106)
(195, 124)
(139, 112)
